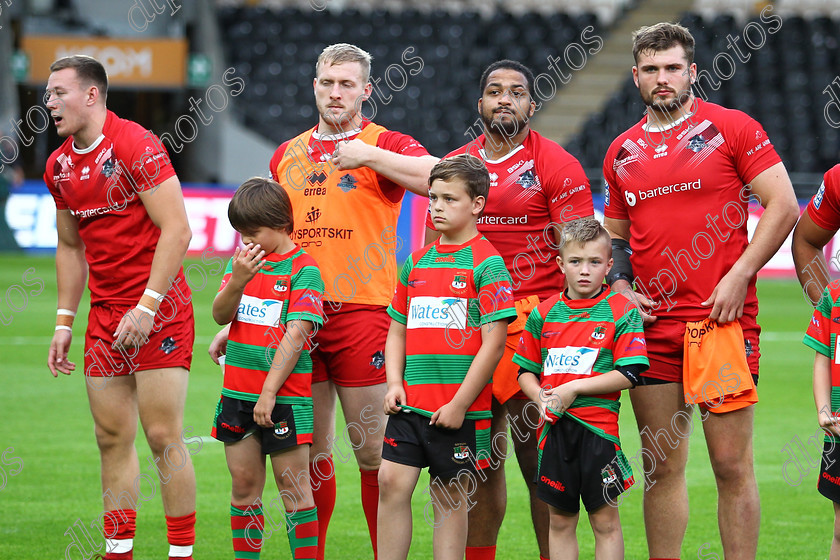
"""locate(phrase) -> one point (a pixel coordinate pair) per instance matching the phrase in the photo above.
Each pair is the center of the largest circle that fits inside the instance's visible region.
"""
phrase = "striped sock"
(302, 527)
(370, 502)
(118, 527)
(322, 475)
(246, 525)
(180, 532)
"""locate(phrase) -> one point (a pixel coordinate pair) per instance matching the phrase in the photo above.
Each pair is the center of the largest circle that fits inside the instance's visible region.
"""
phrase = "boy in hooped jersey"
(579, 349)
(271, 291)
(449, 323)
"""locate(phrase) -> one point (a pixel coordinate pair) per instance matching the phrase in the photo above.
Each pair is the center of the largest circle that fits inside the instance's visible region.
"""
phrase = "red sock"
(322, 477)
(118, 527)
(370, 502)
(481, 553)
(180, 532)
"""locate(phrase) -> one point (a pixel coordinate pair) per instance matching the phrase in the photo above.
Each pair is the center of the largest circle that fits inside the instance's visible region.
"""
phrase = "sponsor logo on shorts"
(168, 345)
(426, 312)
(461, 452)
(608, 475)
(257, 311)
(571, 360)
(557, 485)
(378, 359)
(831, 479)
(234, 429)
(748, 349)
(390, 441)
(281, 429)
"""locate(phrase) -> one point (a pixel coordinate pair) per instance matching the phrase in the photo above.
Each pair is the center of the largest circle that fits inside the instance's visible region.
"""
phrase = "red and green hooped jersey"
(822, 336)
(444, 294)
(565, 339)
(288, 288)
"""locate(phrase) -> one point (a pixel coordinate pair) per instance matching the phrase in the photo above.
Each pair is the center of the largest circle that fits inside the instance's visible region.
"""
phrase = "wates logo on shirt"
(258, 311)
(426, 312)
(571, 360)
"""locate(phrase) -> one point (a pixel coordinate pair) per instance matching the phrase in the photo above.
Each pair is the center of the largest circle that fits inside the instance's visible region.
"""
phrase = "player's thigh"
(364, 414)
(729, 439)
(323, 411)
(161, 394)
(246, 464)
(661, 408)
(524, 417)
(397, 481)
(113, 405)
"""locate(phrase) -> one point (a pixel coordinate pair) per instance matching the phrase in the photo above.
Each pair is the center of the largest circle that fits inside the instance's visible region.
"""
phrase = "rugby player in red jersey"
(679, 182)
(120, 216)
(535, 185)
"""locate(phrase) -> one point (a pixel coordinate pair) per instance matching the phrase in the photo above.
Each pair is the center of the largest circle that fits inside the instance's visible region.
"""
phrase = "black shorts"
(829, 482)
(575, 463)
(234, 422)
(410, 440)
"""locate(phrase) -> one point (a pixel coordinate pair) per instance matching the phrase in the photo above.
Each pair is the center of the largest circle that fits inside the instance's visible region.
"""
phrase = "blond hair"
(345, 52)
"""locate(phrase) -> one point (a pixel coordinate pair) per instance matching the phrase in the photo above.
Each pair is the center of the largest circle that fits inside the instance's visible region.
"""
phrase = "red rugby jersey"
(824, 207)
(99, 185)
(685, 193)
(537, 183)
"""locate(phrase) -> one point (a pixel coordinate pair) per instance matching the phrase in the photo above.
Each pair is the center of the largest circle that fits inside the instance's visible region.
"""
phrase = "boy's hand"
(246, 263)
(263, 409)
(558, 399)
(394, 399)
(218, 347)
(830, 423)
(450, 416)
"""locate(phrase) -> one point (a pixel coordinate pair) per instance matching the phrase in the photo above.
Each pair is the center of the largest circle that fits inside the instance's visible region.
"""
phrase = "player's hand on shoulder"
(727, 299)
(351, 154)
(450, 416)
(57, 358)
(645, 306)
(133, 330)
(394, 400)
(246, 263)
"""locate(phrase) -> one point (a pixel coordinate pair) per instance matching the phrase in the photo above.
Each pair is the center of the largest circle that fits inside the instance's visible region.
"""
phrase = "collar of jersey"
(501, 159)
(440, 248)
(588, 302)
(650, 127)
(90, 148)
(335, 137)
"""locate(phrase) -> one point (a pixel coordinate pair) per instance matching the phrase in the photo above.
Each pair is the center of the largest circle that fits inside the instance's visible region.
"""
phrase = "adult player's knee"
(730, 465)
(663, 442)
(161, 437)
(112, 437)
(369, 455)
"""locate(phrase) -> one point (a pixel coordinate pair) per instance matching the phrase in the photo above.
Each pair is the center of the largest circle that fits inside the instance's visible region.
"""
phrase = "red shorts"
(170, 343)
(349, 349)
(665, 347)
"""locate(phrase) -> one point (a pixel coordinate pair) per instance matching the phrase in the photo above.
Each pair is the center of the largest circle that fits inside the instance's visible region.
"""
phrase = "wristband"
(63, 328)
(64, 317)
(66, 312)
(621, 269)
(150, 292)
(145, 309)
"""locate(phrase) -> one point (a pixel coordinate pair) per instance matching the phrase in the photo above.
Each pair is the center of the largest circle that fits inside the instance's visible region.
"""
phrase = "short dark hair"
(583, 231)
(89, 70)
(508, 64)
(260, 202)
(468, 169)
(661, 37)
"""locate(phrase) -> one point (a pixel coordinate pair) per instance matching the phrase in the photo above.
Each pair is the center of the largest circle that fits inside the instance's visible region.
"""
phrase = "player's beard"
(508, 128)
(669, 106)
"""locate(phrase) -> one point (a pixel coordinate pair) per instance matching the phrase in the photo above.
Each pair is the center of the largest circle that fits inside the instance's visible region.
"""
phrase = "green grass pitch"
(49, 466)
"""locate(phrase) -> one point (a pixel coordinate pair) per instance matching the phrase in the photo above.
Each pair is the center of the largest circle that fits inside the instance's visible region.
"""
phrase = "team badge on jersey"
(281, 285)
(459, 284)
(527, 180)
(608, 475)
(696, 143)
(599, 333)
(461, 453)
(347, 183)
(281, 428)
(108, 167)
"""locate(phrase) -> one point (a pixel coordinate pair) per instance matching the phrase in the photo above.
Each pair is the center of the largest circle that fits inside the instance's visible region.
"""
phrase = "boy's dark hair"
(508, 64)
(661, 37)
(89, 70)
(583, 231)
(260, 202)
(467, 168)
